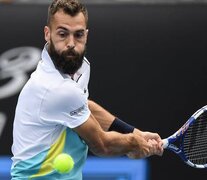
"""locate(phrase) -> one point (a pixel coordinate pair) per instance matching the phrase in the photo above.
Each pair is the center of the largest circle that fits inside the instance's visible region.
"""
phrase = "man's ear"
(47, 33)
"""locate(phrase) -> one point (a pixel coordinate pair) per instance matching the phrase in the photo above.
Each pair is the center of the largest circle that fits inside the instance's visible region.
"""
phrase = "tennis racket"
(190, 141)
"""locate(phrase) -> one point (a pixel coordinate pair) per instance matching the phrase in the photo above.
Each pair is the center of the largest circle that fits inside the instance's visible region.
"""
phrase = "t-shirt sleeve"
(66, 104)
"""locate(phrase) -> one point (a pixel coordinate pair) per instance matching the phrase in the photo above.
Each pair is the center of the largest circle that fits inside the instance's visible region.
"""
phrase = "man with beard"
(53, 113)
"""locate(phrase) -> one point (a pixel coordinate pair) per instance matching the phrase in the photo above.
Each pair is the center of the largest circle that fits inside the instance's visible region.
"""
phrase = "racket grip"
(165, 143)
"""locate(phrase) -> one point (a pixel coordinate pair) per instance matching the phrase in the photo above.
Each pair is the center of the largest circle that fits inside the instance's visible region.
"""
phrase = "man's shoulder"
(64, 89)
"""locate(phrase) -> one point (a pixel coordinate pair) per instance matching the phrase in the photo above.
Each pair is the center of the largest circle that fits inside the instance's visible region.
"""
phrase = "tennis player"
(53, 113)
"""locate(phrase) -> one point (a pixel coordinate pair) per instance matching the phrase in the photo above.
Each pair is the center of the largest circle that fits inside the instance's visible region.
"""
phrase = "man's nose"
(71, 42)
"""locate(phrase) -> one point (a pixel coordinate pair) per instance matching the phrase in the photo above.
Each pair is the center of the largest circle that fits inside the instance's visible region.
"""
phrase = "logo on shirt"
(77, 111)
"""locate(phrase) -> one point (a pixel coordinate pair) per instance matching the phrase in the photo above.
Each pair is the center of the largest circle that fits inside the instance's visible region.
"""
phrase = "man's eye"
(62, 34)
(79, 35)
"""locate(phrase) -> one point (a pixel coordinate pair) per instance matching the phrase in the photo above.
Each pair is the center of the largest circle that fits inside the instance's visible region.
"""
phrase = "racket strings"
(195, 141)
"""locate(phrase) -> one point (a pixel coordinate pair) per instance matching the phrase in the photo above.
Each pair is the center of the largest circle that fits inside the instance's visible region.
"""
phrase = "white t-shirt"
(49, 105)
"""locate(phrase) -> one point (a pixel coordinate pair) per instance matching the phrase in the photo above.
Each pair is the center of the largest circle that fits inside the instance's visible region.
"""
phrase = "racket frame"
(168, 142)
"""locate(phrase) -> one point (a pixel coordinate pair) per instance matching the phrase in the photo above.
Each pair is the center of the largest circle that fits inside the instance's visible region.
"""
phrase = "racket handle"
(165, 143)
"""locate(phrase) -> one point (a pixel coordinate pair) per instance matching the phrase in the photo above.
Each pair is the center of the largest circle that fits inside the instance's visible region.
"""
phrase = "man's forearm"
(107, 121)
(104, 117)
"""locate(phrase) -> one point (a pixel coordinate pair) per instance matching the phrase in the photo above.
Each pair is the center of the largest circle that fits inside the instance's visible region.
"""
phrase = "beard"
(68, 62)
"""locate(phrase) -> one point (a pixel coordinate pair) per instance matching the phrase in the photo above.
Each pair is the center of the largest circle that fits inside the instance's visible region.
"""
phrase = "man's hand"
(149, 144)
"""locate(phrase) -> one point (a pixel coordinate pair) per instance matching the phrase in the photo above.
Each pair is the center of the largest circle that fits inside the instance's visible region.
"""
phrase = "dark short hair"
(70, 7)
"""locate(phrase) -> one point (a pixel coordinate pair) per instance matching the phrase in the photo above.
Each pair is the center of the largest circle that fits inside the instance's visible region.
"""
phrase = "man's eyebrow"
(63, 28)
(80, 30)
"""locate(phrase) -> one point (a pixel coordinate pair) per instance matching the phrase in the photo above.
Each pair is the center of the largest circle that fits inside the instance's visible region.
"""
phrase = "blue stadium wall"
(149, 65)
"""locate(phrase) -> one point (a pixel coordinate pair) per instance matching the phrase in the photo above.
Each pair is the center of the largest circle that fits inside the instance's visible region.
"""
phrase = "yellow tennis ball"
(63, 163)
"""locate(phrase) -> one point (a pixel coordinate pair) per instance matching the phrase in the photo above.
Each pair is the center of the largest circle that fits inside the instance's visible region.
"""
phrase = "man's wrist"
(120, 126)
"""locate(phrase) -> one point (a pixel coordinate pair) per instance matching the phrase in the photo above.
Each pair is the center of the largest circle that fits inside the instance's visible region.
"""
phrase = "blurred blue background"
(98, 169)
